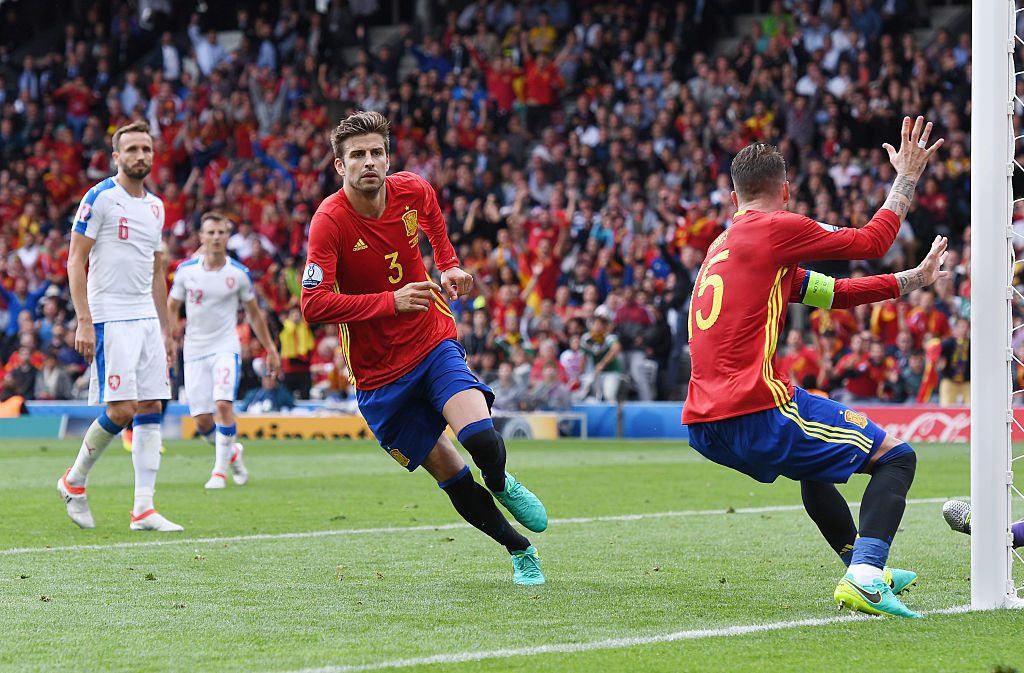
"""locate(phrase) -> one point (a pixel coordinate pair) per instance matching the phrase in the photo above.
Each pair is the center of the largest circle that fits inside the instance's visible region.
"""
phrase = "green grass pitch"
(333, 559)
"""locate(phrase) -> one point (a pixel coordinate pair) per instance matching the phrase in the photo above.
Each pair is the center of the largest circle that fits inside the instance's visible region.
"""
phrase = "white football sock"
(146, 460)
(225, 448)
(97, 439)
(864, 574)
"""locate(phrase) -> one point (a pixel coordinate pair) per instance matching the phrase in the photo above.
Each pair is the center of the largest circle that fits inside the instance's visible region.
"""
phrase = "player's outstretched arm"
(817, 289)
(909, 162)
(78, 257)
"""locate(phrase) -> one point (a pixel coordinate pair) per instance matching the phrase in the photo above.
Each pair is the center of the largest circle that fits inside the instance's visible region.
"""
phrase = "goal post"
(992, 144)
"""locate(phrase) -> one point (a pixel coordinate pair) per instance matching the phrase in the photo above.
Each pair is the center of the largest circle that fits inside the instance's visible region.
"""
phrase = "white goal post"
(992, 148)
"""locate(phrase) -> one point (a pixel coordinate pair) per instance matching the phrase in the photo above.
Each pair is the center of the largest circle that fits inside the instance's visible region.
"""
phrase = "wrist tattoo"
(910, 280)
(900, 196)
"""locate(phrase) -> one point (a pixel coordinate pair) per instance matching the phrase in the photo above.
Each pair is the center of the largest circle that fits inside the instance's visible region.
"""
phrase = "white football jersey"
(211, 299)
(126, 234)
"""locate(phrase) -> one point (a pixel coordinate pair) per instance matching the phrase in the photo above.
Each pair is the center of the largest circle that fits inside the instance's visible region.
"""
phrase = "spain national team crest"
(411, 223)
(156, 211)
(230, 282)
(113, 381)
(399, 456)
(860, 420)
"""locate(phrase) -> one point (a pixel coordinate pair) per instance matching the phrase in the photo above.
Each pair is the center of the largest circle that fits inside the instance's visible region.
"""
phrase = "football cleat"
(238, 470)
(522, 504)
(958, 515)
(153, 520)
(526, 567)
(899, 580)
(217, 480)
(76, 501)
(876, 599)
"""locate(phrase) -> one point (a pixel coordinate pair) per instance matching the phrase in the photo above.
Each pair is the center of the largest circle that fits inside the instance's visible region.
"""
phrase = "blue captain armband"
(818, 290)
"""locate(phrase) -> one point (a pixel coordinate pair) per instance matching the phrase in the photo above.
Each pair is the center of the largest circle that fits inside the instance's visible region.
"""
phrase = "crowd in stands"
(580, 152)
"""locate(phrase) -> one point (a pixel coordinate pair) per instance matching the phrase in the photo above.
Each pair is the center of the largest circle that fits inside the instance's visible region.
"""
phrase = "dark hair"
(137, 126)
(360, 123)
(758, 170)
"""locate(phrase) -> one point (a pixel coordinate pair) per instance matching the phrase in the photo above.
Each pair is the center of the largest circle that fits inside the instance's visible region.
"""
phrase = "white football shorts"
(210, 379)
(130, 362)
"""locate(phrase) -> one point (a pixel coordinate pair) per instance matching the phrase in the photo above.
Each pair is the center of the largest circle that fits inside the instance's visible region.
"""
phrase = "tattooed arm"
(927, 272)
(900, 196)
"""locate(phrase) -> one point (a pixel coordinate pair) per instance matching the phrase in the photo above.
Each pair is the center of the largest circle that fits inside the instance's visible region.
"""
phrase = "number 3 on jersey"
(717, 285)
(393, 258)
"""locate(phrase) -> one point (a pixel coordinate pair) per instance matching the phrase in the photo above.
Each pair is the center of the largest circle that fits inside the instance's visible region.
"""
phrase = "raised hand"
(914, 151)
(928, 271)
(909, 163)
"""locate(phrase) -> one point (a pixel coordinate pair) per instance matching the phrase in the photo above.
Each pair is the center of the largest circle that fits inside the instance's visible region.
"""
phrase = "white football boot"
(77, 502)
(153, 520)
(238, 470)
(217, 480)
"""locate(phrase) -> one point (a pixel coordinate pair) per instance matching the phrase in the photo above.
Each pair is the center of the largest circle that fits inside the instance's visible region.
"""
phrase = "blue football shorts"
(405, 415)
(810, 438)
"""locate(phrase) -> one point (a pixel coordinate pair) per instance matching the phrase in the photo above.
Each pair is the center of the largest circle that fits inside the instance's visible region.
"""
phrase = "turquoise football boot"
(526, 567)
(876, 599)
(899, 580)
(522, 504)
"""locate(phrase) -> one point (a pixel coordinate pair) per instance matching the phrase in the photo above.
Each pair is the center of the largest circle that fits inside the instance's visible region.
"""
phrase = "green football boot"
(522, 504)
(526, 567)
(876, 599)
(899, 580)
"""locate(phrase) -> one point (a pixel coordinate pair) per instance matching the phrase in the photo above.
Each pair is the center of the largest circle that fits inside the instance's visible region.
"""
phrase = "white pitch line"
(410, 529)
(612, 643)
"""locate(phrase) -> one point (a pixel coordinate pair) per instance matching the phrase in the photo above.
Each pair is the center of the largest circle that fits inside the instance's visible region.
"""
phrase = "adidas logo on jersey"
(360, 245)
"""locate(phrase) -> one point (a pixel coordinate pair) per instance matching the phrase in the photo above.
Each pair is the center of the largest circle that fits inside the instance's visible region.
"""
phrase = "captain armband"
(818, 290)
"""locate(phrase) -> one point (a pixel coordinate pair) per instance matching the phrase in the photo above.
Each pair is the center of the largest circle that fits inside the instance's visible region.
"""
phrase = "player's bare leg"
(477, 507)
(470, 419)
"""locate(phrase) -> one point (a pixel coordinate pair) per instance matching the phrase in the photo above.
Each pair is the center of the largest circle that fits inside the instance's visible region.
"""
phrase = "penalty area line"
(411, 529)
(611, 643)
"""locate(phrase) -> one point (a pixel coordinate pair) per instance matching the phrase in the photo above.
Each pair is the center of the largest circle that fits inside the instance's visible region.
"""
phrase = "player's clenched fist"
(416, 296)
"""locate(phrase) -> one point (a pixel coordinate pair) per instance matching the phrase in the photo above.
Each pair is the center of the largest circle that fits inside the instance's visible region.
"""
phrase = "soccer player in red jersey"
(744, 414)
(366, 274)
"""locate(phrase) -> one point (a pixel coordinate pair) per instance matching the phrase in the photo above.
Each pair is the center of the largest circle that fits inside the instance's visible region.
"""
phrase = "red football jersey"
(357, 263)
(741, 296)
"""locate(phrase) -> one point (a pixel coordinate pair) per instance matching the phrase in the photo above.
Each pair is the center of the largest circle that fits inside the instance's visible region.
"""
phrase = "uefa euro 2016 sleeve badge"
(312, 276)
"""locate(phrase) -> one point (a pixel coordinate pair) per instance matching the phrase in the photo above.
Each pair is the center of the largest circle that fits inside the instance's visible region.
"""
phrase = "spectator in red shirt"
(800, 360)
(547, 354)
(926, 319)
(540, 87)
(79, 99)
